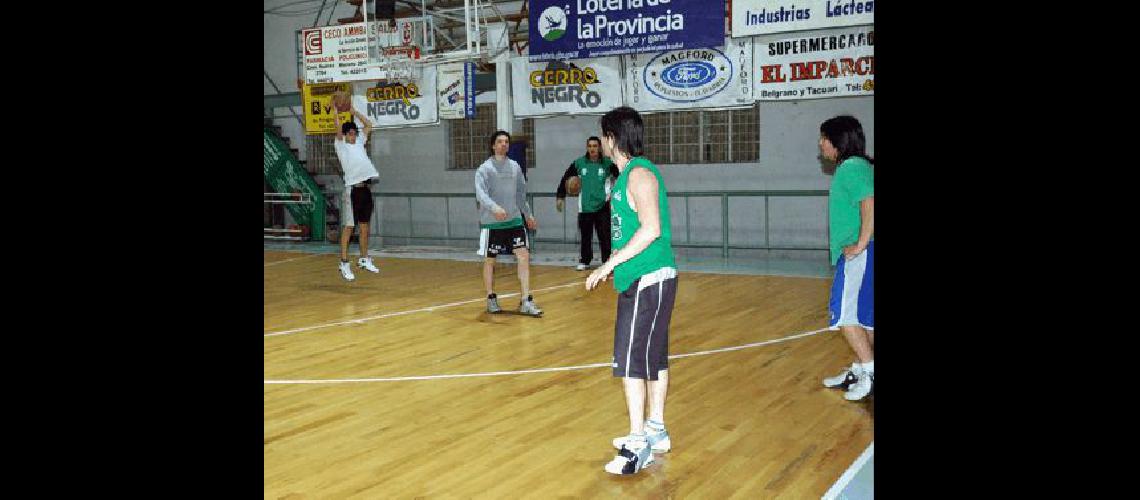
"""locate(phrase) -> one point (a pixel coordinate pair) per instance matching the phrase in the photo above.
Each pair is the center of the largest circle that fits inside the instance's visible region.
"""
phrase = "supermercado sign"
(574, 29)
(398, 105)
(833, 63)
(584, 86)
(761, 17)
(696, 78)
(340, 53)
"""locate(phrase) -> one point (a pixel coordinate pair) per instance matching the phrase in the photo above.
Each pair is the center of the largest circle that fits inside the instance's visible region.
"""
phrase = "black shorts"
(358, 206)
(497, 242)
(641, 333)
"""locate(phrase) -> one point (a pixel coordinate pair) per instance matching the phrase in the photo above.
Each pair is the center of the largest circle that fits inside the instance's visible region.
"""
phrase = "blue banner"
(468, 90)
(576, 29)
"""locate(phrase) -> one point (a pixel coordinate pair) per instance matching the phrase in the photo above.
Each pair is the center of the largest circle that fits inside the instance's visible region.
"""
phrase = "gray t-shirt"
(501, 184)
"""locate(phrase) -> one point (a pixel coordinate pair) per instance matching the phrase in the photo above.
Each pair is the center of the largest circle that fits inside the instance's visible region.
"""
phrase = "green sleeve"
(858, 181)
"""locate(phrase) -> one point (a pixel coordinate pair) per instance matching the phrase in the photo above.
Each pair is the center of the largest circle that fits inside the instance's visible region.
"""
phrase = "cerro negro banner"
(399, 105)
(762, 17)
(691, 78)
(814, 65)
(582, 86)
(574, 29)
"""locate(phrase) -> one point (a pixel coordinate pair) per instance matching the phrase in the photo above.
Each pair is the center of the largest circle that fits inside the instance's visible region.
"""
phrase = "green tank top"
(624, 222)
(593, 176)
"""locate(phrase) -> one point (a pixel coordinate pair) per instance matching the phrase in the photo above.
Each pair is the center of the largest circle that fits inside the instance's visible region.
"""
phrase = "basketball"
(573, 186)
(342, 101)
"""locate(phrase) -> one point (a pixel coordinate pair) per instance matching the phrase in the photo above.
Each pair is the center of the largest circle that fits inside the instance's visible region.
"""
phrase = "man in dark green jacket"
(597, 174)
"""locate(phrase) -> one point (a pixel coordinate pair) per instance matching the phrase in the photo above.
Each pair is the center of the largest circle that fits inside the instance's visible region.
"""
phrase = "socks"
(868, 367)
(654, 426)
(492, 296)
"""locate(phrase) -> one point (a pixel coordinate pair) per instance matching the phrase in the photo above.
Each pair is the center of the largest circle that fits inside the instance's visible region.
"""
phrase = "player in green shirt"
(597, 173)
(851, 208)
(645, 276)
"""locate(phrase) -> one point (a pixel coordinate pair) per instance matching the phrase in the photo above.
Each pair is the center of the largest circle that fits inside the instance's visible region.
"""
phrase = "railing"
(570, 238)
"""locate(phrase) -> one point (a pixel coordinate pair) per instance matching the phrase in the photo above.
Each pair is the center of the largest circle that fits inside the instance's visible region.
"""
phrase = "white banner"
(691, 78)
(396, 105)
(340, 53)
(451, 91)
(833, 63)
(761, 17)
(575, 86)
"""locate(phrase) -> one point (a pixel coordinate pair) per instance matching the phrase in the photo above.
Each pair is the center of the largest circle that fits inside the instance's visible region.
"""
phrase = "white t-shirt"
(354, 160)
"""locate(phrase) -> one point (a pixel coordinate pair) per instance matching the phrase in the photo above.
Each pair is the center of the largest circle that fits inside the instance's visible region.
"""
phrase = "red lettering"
(772, 74)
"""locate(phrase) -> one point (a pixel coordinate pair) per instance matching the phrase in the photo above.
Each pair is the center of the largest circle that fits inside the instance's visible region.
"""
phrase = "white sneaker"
(860, 389)
(366, 263)
(658, 441)
(528, 307)
(632, 458)
(845, 379)
(580, 267)
(346, 271)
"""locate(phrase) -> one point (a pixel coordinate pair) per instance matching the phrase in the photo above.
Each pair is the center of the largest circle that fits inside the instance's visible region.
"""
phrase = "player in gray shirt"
(500, 192)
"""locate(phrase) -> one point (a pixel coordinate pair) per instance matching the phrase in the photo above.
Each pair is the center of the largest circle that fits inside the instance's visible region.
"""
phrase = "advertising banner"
(833, 63)
(317, 101)
(762, 17)
(400, 105)
(340, 53)
(578, 86)
(580, 29)
(691, 78)
(455, 100)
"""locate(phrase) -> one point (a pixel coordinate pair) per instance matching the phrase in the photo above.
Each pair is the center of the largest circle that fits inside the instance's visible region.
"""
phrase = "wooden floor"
(747, 423)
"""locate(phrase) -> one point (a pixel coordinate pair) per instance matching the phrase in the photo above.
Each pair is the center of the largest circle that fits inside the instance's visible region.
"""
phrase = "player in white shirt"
(357, 201)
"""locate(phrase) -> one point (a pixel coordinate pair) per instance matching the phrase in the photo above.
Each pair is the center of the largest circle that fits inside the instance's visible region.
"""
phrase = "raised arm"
(363, 119)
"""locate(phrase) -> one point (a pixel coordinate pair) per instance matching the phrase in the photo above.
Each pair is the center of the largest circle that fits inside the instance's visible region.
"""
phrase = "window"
(321, 154)
(695, 137)
(470, 144)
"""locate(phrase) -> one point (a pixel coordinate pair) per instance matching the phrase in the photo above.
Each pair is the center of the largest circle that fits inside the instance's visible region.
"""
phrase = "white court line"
(536, 370)
(359, 321)
(855, 467)
(274, 263)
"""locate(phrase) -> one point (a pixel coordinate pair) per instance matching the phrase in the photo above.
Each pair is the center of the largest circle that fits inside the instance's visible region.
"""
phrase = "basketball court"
(401, 385)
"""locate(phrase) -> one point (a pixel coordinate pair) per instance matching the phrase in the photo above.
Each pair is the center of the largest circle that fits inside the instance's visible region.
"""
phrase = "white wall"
(414, 160)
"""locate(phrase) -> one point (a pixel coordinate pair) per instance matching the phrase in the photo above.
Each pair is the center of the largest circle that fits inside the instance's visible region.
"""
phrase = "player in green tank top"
(645, 276)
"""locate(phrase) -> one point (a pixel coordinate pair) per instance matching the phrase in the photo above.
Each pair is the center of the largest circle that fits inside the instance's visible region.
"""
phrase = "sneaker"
(861, 388)
(493, 305)
(658, 440)
(366, 263)
(527, 306)
(631, 458)
(844, 380)
(580, 267)
(346, 271)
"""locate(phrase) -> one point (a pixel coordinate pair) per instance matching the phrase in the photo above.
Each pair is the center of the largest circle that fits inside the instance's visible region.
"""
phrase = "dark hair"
(346, 126)
(594, 138)
(496, 135)
(846, 134)
(627, 129)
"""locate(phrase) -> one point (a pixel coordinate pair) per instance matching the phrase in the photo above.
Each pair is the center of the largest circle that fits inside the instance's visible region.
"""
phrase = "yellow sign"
(317, 99)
